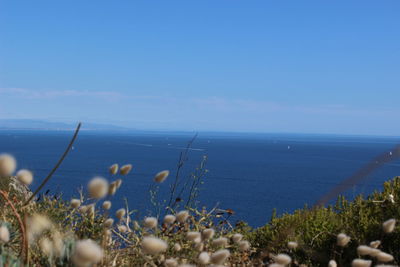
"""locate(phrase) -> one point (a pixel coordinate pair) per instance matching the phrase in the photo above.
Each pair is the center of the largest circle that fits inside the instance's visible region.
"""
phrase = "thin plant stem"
(57, 165)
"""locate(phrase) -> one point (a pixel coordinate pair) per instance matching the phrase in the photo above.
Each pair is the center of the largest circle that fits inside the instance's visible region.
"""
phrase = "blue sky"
(254, 66)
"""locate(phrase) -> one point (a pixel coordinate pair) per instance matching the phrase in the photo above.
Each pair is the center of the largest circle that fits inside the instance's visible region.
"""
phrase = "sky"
(210, 65)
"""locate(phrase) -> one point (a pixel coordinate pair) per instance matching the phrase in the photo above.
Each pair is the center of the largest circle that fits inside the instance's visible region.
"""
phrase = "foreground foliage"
(51, 231)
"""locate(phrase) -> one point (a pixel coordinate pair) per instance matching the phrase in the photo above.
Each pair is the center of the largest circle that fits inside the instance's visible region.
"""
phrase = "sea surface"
(249, 173)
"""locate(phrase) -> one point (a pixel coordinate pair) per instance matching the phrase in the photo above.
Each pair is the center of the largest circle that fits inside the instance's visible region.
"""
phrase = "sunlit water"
(248, 173)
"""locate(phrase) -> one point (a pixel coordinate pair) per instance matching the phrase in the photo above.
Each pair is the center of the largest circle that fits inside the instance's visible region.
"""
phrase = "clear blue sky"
(263, 66)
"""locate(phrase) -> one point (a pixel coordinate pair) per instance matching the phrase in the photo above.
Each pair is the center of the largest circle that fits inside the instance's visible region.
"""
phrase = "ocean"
(250, 174)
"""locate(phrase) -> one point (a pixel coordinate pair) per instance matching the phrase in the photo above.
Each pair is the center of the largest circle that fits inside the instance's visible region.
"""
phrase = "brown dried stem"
(24, 241)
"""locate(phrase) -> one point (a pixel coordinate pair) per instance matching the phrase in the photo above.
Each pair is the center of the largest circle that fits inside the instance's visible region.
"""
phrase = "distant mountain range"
(25, 124)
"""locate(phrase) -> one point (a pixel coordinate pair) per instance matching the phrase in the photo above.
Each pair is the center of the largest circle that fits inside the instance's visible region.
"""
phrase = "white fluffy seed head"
(122, 228)
(109, 222)
(363, 250)
(150, 222)
(4, 234)
(98, 187)
(342, 240)
(118, 183)
(282, 259)
(204, 258)
(125, 169)
(113, 169)
(169, 219)
(220, 242)
(361, 263)
(75, 203)
(25, 177)
(8, 164)
(112, 189)
(83, 209)
(292, 245)
(199, 246)
(388, 226)
(120, 213)
(332, 263)
(237, 237)
(177, 247)
(375, 244)
(152, 245)
(161, 176)
(208, 233)
(374, 252)
(87, 252)
(193, 236)
(220, 256)
(182, 216)
(170, 263)
(106, 205)
(384, 257)
(90, 209)
(35, 225)
(244, 245)
(46, 246)
(58, 244)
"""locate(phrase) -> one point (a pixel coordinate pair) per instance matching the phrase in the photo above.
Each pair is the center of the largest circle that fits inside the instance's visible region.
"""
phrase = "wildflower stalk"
(183, 157)
(57, 165)
(24, 241)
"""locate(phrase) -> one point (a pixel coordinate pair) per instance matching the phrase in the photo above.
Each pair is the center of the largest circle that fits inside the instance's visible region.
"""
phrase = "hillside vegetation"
(51, 231)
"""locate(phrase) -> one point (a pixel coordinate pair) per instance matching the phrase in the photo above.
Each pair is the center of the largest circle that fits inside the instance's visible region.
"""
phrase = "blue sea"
(249, 173)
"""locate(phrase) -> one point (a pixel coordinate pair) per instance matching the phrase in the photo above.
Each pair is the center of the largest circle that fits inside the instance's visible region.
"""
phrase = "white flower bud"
(194, 236)
(204, 258)
(361, 263)
(182, 216)
(125, 169)
(153, 245)
(283, 259)
(161, 176)
(244, 245)
(220, 242)
(114, 169)
(375, 244)
(150, 222)
(389, 225)
(208, 233)
(170, 263)
(292, 245)
(75, 203)
(86, 252)
(169, 219)
(25, 177)
(237, 237)
(384, 257)
(98, 187)
(342, 240)
(120, 213)
(109, 222)
(4, 234)
(220, 256)
(8, 164)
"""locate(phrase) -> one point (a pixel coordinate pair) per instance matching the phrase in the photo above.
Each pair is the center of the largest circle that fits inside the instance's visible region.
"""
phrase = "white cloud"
(187, 113)
(50, 94)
